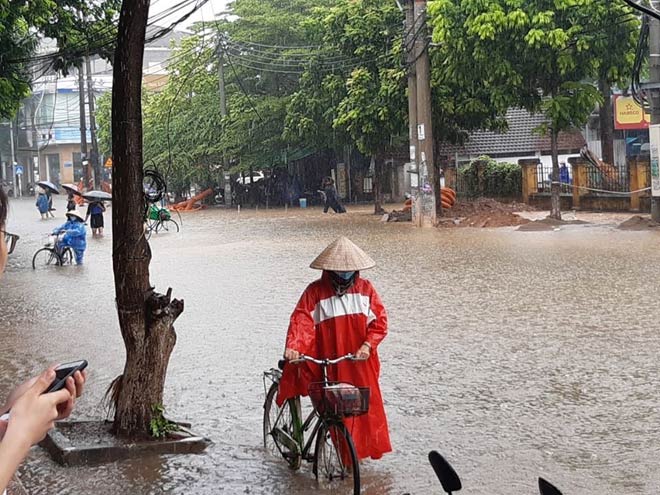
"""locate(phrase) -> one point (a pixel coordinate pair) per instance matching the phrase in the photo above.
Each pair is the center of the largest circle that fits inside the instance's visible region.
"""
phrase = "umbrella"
(48, 185)
(72, 188)
(97, 196)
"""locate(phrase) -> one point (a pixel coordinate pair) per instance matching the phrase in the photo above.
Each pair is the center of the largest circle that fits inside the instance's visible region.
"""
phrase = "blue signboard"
(19, 169)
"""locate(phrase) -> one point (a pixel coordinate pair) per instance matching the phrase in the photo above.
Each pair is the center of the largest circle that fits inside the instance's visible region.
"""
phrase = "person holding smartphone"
(31, 412)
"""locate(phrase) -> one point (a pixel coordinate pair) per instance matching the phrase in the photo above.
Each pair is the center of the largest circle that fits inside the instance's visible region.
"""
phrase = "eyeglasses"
(10, 240)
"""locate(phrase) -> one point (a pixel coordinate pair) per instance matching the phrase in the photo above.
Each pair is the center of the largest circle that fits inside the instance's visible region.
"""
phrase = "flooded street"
(514, 354)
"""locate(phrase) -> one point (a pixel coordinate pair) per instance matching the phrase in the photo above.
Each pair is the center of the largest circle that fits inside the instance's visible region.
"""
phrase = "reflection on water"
(515, 354)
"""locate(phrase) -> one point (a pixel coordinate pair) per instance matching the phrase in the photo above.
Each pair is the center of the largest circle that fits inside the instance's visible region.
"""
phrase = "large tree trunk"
(379, 166)
(606, 123)
(554, 187)
(145, 317)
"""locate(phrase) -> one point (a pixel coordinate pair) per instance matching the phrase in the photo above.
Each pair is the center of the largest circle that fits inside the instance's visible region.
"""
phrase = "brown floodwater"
(515, 354)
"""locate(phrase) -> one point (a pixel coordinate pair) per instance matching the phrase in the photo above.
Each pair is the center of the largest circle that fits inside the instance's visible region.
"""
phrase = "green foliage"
(486, 177)
(80, 28)
(365, 102)
(536, 54)
(159, 426)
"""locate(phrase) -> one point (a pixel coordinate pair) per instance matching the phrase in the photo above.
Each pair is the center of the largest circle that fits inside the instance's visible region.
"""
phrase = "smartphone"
(64, 371)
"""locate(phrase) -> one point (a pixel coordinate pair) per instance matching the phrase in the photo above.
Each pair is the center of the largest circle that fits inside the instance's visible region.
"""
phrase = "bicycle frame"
(313, 421)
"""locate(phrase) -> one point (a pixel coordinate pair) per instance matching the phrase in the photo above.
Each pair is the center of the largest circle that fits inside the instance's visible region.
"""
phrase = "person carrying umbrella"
(95, 211)
(75, 234)
(341, 313)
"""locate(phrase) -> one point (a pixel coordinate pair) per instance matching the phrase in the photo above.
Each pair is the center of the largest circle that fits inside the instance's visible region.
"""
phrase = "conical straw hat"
(343, 256)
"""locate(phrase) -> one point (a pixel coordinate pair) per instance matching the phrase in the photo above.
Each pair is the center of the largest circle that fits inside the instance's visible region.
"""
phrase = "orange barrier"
(447, 199)
(190, 204)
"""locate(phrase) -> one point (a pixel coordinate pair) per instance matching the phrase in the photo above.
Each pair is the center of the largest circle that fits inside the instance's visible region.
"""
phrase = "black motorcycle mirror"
(547, 488)
(448, 478)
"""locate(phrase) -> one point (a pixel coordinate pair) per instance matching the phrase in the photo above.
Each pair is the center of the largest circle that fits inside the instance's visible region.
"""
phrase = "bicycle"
(53, 253)
(334, 456)
(159, 220)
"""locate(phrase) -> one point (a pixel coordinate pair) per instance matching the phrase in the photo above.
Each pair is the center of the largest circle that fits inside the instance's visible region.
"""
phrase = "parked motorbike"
(452, 483)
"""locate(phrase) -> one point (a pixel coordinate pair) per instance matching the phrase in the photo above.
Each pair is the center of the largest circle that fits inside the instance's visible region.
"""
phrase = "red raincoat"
(324, 325)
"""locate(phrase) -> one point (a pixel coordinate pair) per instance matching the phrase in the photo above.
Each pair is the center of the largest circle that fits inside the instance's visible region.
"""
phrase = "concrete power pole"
(223, 112)
(654, 66)
(83, 127)
(411, 54)
(94, 155)
(426, 201)
(14, 182)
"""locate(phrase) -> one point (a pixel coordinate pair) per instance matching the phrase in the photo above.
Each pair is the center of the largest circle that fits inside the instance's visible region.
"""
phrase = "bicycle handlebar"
(325, 362)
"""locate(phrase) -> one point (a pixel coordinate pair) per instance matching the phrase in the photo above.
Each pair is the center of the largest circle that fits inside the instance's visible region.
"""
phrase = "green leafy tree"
(81, 28)
(364, 97)
(538, 51)
(614, 29)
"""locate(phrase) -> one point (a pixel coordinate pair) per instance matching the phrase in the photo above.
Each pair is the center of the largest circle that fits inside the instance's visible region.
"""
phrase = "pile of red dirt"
(639, 223)
(548, 223)
(484, 212)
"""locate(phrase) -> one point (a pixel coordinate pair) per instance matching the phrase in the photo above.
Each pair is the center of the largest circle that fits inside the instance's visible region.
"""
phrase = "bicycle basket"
(340, 399)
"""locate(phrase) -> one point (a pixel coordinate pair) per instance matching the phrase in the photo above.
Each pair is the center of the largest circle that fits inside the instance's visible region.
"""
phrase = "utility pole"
(14, 182)
(654, 69)
(429, 208)
(221, 80)
(94, 155)
(223, 112)
(411, 54)
(83, 127)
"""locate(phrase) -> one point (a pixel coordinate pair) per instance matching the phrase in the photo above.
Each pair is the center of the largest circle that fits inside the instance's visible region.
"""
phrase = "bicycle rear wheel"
(45, 258)
(279, 429)
(335, 460)
(67, 256)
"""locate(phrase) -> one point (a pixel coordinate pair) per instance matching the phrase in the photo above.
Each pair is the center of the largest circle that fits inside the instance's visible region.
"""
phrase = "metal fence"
(544, 179)
(601, 181)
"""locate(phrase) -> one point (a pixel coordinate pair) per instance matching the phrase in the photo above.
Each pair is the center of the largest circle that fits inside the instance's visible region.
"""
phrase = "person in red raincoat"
(341, 313)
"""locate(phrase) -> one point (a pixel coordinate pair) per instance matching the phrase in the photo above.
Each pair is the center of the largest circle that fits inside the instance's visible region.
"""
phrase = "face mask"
(345, 275)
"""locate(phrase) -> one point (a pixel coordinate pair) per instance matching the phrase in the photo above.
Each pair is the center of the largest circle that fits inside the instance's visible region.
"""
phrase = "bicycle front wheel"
(44, 258)
(279, 429)
(335, 460)
(168, 225)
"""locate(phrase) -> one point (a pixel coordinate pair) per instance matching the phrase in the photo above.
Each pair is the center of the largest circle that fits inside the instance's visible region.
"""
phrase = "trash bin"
(303, 202)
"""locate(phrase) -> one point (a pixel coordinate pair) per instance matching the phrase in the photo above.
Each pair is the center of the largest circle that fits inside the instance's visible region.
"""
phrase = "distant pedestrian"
(42, 204)
(564, 176)
(50, 204)
(70, 202)
(95, 211)
(331, 198)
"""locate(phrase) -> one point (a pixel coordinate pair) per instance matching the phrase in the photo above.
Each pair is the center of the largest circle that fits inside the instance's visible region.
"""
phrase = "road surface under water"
(515, 354)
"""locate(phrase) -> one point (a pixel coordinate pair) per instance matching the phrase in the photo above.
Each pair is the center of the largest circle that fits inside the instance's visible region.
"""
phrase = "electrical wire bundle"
(638, 94)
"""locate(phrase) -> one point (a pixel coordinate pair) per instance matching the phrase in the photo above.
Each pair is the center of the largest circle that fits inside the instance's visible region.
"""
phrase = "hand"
(35, 412)
(75, 386)
(291, 355)
(78, 385)
(363, 352)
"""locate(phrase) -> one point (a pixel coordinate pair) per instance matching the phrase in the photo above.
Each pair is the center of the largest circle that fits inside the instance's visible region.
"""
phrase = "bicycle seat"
(281, 363)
